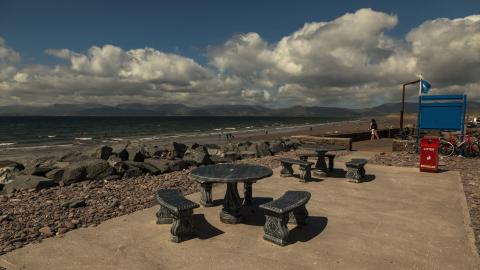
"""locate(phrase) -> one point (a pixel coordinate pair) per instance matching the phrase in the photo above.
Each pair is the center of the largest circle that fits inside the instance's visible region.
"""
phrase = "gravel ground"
(469, 169)
(29, 216)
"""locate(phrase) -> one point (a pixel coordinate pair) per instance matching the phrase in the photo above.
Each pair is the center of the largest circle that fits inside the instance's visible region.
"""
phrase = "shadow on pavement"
(203, 228)
(337, 173)
(252, 214)
(315, 226)
(368, 178)
(217, 202)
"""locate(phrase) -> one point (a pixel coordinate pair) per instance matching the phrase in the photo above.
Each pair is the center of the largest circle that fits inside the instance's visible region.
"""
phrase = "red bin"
(429, 154)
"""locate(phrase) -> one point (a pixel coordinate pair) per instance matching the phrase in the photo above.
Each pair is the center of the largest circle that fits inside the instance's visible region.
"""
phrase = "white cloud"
(349, 61)
(8, 60)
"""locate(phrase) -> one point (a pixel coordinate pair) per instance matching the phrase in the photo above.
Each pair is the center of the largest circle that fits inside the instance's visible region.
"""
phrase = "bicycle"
(469, 146)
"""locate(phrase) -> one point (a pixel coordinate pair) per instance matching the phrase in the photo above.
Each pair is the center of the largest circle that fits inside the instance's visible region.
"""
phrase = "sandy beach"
(324, 129)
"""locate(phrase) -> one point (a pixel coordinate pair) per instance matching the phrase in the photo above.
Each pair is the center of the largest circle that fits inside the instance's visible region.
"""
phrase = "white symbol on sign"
(428, 158)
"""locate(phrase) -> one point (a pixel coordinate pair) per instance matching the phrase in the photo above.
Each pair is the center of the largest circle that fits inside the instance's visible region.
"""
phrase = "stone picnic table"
(230, 174)
(321, 168)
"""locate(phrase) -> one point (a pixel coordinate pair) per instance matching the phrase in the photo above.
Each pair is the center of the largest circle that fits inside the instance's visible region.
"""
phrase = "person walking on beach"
(373, 128)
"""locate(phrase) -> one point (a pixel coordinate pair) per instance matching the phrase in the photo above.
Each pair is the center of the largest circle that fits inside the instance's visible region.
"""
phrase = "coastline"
(218, 137)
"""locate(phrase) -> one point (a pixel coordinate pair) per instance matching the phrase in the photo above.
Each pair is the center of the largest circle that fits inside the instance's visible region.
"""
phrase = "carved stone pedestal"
(231, 205)
(177, 210)
(182, 226)
(164, 216)
(355, 174)
(287, 170)
(305, 173)
(206, 194)
(276, 229)
(247, 193)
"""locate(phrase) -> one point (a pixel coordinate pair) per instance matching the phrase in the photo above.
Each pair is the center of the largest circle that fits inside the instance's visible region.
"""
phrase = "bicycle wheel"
(446, 148)
(471, 150)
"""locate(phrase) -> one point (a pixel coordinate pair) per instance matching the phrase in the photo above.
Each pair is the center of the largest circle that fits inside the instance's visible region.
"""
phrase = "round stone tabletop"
(228, 173)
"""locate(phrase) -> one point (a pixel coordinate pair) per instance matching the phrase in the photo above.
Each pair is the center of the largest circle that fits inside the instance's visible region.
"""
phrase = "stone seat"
(355, 169)
(178, 210)
(305, 168)
(290, 208)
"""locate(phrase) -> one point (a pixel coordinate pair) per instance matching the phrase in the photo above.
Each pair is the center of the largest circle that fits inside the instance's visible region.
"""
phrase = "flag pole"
(418, 112)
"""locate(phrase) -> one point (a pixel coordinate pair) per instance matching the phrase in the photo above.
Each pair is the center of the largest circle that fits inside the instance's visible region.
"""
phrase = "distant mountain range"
(136, 109)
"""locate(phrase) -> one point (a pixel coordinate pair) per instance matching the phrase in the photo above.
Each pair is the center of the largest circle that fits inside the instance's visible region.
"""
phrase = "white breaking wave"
(7, 144)
(84, 139)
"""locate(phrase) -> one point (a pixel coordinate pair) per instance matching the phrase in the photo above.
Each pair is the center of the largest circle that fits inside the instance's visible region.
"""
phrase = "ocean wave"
(7, 144)
(217, 129)
(52, 136)
(84, 138)
(230, 128)
(39, 146)
(149, 138)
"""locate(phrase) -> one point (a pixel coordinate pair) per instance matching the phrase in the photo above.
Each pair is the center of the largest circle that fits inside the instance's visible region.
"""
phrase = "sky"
(270, 53)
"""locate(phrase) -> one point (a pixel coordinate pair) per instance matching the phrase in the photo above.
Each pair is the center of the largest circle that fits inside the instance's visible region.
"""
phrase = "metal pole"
(403, 102)
(403, 108)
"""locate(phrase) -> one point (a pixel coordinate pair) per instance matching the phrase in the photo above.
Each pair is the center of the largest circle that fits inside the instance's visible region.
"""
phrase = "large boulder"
(159, 151)
(103, 152)
(244, 146)
(138, 154)
(8, 170)
(144, 167)
(27, 182)
(197, 156)
(231, 148)
(7, 174)
(262, 149)
(120, 167)
(247, 154)
(113, 160)
(214, 150)
(87, 170)
(123, 154)
(291, 144)
(12, 164)
(56, 174)
(276, 147)
(75, 156)
(133, 172)
(179, 149)
(160, 164)
(40, 166)
(177, 165)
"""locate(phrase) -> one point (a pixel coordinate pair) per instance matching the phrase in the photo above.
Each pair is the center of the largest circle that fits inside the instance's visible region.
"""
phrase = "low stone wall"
(362, 136)
(305, 139)
(399, 145)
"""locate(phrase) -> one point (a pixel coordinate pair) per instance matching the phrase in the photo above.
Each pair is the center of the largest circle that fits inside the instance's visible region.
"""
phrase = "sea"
(44, 131)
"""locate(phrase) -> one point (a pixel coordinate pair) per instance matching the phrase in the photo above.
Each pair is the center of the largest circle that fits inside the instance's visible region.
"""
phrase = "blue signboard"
(442, 112)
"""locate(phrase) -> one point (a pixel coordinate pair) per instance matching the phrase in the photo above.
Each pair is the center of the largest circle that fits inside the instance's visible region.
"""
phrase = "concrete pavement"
(399, 219)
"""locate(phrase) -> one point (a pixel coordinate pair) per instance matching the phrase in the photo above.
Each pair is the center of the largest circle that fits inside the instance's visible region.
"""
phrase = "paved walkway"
(400, 219)
(376, 146)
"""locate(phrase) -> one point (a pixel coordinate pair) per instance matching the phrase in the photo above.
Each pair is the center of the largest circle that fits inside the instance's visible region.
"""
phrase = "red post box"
(429, 154)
